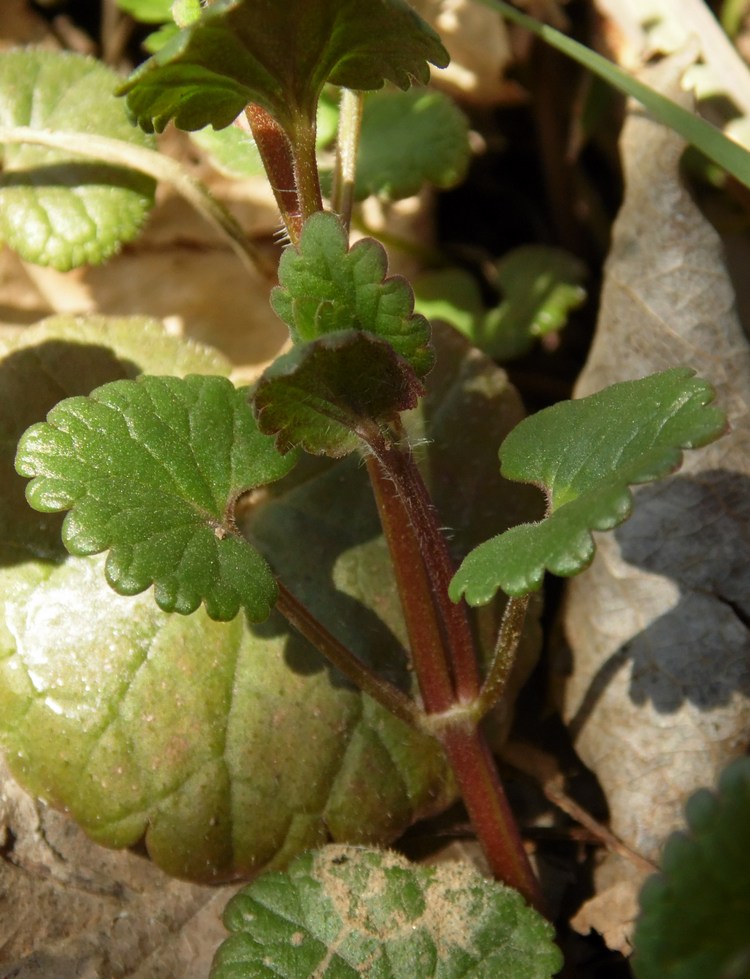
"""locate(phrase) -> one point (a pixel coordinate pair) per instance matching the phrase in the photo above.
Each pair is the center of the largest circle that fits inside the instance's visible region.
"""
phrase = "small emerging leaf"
(326, 395)
(540, 285)
(57, 208)
(584, 455)
(279, 56)
(151, 470)
(694, 915)
(345, 912)
(325, 287)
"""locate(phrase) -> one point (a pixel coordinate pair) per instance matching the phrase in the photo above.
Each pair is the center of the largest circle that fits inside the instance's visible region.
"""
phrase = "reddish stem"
(276, 153)
(426, 642)
(421, 515)
(487, 805)
(438, 641)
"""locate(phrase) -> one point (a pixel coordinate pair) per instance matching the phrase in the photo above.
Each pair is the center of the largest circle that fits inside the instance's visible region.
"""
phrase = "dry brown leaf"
(659, 694)
(70, 909)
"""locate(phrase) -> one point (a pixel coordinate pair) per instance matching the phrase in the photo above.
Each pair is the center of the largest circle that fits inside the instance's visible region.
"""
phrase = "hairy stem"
(444, 657)
(429, 655)
(344, 173)
(511, 629)
(276, 153)
(487, 805)
(421, 516)
(155, 165)
(353, 668)
(306, 176)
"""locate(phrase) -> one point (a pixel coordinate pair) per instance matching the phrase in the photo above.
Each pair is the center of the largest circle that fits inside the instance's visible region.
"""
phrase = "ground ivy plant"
(287, 525)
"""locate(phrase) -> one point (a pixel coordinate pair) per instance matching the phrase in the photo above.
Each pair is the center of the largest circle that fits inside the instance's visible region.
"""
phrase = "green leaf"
(56, 208)
(60, 357)
(584, 455)
(541, 286)
(453, 296)
(165, 730)
(694, 914)
(325, 287)
(410, 139)
(147, 11)
(326, 395)
(151, 470)
(280, 56)
(345, 912)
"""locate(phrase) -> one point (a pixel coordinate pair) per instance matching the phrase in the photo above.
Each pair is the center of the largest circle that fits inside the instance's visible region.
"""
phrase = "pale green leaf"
(694, 914)
(345, 912)
(155, 728)
(147, 11)
(584, 455)
(56, 208)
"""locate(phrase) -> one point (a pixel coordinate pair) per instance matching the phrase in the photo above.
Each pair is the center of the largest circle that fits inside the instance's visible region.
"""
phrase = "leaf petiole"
(351, 666)
(350, 124)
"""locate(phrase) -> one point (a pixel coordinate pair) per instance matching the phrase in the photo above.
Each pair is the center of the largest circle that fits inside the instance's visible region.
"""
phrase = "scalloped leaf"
(56, 208)
(346, 912)
(410, 139)
(151, 470)
(165, 730)
(325, 287)
(694, 914)
(326, 395)
(584, 455)
(279, 56)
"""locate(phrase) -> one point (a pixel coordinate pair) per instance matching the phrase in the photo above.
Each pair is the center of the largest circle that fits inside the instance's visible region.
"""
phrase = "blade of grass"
(699, 133)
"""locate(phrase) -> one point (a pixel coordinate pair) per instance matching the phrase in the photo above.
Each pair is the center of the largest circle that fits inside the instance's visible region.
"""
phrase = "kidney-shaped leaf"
(584, 455)
(694, 915)
(151, 470)
(325, 286)
(325, 396)
(57, 208)
(346, 912)
(279, 55)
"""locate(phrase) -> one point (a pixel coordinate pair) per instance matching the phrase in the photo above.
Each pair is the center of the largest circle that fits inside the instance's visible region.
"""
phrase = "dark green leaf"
(325, 287)
(584, 455)
(280, 56)
(345, 912)
(57, 208)
(60, 357)
(694, 914)
(151, 471)
(326, 395)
